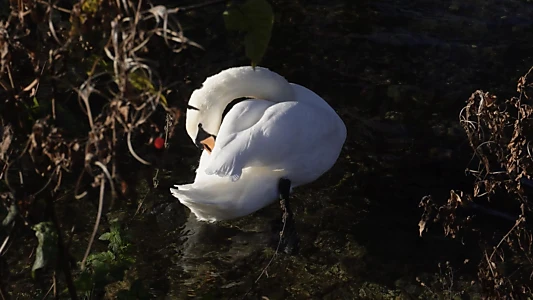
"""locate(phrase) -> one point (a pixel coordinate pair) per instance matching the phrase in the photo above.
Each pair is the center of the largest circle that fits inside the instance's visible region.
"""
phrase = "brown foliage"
(82, 96)
(92, 51)
(500, 134)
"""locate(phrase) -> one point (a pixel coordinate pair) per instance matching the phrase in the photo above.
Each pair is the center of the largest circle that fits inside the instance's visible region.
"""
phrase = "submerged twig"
(281, 235)
(286, 215)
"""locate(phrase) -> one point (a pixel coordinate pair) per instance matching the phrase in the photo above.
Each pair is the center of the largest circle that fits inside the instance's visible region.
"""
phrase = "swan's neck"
(247, 82)
(220, 90)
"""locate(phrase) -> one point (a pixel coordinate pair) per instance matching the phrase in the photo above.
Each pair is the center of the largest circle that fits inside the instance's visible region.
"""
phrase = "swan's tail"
(213, 198)
(189, 197)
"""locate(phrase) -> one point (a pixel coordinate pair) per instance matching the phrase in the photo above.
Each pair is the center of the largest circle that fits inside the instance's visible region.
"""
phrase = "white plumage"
(286, 131)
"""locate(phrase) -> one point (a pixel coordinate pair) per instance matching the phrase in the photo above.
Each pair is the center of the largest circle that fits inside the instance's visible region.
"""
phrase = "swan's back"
(300, 139)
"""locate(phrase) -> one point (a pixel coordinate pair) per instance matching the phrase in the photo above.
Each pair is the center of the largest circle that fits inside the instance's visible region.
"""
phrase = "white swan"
(282, 130)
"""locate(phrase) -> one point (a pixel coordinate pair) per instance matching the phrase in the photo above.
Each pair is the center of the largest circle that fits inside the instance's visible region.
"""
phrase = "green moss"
(90, 6)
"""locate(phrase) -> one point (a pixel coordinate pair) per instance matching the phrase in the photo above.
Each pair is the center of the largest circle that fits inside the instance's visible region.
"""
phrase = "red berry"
(159, 143)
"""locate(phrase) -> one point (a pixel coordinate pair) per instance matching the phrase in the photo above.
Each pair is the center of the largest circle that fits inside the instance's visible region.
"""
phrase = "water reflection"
(206, 253)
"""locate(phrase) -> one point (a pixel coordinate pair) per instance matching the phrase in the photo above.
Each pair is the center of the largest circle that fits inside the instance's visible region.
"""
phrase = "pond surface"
(398, 73)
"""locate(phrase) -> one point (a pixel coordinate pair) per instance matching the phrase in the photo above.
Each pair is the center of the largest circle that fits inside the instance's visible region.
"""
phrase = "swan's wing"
(286, 131)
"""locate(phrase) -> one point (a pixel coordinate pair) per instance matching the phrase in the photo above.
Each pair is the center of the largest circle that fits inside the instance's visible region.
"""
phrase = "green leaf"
(12, 213)
(255, 18)
(109, 266)
(100, 259)
(35, 103)
(115, 243)
(46, 252)
(255, 46)
(84, 282)
(105, 236)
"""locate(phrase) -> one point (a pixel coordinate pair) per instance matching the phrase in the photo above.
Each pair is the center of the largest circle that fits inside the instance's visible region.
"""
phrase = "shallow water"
(398, 72)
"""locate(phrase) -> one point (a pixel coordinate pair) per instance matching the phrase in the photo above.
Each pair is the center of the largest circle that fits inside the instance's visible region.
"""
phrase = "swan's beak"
(208, 144)
(204, 140)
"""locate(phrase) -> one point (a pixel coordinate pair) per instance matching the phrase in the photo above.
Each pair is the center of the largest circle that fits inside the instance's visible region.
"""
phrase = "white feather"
(259, 142)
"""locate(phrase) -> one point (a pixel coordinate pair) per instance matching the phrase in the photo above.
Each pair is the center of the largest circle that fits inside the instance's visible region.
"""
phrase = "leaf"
(100, 258)
(255, 46)
(255, 18)
(105, 236)
(12, 213)
(115, 243)
(84, 282)
(46, 252)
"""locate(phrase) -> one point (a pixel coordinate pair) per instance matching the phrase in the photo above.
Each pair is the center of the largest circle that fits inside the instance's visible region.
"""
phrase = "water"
(398, 72)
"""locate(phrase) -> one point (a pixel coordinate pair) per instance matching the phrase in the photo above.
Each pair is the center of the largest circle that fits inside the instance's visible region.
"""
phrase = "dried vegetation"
(81, 99)
(495, 214)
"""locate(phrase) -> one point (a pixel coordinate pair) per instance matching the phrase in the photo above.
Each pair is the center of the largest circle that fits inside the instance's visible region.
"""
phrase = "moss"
(90, 6)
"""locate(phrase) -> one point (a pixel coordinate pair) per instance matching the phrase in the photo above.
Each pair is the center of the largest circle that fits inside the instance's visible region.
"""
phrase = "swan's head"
(208, 104)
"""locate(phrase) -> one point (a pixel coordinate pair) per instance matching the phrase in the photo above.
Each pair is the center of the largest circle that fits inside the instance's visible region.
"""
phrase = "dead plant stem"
(96, 223)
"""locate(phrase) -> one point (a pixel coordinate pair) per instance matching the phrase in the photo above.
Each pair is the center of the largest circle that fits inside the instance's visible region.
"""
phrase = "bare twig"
(6, 240)
(78, 182)
(108, 176)
(51, 24)
(63, 255)
(200, 5)
(2, 294)
(284, 219)
(54, 173)
(130, 147)
(518, 222)
(9, 164)
(281, 234)
(52, 287)
(96, 223)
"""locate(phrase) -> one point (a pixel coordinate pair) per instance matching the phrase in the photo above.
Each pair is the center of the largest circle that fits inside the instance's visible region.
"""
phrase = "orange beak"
(209, 144)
